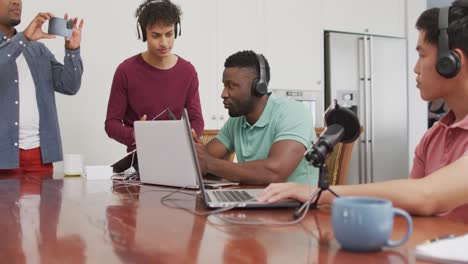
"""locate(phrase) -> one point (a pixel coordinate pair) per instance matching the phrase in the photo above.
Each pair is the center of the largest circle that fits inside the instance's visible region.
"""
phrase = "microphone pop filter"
(345, 118)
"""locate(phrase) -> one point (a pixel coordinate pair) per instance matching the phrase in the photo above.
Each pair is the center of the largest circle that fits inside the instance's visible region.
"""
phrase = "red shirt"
(443, 144)
(139, 89)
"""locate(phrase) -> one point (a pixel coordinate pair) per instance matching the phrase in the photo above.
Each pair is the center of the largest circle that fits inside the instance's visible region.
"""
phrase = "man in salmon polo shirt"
(438, 182)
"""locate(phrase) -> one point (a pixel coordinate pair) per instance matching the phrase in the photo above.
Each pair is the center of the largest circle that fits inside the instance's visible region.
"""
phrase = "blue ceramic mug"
(365, 223)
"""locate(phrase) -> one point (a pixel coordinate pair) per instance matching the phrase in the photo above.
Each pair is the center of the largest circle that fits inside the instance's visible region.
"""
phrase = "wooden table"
(43, 220)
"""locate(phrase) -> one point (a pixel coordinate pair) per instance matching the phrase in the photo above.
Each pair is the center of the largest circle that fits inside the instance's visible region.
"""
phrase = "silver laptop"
(227, 197)
(164, 153)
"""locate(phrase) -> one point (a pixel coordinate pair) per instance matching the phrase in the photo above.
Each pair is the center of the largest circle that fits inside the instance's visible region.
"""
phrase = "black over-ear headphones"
(448, 61)
(142, 31)
(260, 85)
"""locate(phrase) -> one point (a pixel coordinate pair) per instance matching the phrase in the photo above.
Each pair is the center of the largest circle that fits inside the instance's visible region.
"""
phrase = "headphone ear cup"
(448, 64)
(262, 88)
(259, 88)
(139, 32)
(143, 34)
(177, 29)
(254, 87)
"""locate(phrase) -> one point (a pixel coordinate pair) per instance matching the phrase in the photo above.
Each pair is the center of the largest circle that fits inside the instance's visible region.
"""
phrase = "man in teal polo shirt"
(269, 135)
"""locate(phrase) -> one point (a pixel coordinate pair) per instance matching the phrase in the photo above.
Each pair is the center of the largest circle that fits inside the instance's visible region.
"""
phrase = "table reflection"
(11, 250)
(139, 220)
(66, 249)
(30, 207)
(81, 221)
(256, 252)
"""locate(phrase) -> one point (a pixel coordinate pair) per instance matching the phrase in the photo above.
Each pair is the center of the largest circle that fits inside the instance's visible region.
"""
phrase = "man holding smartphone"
(29, 75)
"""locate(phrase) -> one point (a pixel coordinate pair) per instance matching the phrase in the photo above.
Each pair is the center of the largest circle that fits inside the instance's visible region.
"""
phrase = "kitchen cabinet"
(376, 17)
(294, 44)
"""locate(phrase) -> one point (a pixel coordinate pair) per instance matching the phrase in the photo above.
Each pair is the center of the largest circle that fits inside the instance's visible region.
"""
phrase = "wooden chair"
(208, 135)
(338, 161)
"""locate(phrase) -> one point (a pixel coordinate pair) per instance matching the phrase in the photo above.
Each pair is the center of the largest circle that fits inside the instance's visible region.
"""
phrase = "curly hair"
(457, 30)
(247, 59)
(151, 12)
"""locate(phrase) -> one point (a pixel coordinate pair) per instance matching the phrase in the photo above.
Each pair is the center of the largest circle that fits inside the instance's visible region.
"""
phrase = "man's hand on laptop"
(279, 191)
(201, 152)
(196, 138)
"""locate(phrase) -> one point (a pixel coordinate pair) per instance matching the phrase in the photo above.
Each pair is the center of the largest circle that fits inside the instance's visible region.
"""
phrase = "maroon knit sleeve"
(116, 109)
(193, 105)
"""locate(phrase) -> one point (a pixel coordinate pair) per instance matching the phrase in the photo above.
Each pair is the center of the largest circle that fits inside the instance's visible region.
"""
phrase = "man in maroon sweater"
(148, 83)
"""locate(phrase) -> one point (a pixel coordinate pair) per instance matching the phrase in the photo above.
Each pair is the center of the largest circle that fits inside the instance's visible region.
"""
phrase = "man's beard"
(14, 23)
(241, 109)
(235, 113)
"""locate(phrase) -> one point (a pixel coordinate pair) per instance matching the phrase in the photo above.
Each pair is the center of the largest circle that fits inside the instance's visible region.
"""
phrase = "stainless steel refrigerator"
(368, 74)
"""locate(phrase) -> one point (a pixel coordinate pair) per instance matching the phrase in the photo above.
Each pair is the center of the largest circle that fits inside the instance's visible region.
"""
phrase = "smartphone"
(60, 27)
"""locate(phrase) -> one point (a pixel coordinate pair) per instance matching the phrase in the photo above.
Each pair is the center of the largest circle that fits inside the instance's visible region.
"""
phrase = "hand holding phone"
(34, 31)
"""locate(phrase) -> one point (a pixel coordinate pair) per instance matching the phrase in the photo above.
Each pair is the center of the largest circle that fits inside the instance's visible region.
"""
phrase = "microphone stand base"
(324, 185)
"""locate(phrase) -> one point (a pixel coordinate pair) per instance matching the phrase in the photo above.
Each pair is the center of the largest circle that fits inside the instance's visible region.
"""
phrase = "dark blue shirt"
(49, 77)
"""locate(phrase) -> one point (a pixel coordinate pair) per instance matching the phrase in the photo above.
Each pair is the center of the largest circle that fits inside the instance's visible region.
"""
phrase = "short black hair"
(151, 12)
(457, 30)
(247, 59)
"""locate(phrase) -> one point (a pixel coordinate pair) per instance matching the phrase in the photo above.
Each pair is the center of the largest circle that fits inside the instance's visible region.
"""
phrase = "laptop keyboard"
(233, 196)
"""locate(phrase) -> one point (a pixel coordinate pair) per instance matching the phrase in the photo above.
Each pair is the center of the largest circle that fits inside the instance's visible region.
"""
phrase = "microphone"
(318, 152)
(342, 125)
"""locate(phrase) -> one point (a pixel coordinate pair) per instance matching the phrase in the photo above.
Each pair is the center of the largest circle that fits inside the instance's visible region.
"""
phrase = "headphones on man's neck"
(448, 61)
(260, 85)
(142, 31)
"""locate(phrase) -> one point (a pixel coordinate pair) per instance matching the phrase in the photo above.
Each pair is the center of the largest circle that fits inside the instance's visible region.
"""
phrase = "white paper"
(452, 250)
(98, 172)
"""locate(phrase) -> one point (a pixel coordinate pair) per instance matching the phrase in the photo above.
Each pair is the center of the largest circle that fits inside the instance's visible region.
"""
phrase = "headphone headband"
(142, 35)
(149, 3)
(443, 26)
(448, 61)
(260, 85)
(262, 68)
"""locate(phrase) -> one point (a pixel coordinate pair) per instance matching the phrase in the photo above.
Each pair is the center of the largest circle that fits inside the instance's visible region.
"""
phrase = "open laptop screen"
(165, 154)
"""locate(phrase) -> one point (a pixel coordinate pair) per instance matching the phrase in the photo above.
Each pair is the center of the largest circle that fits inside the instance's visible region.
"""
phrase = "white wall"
(109, 37)
(417, 108)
